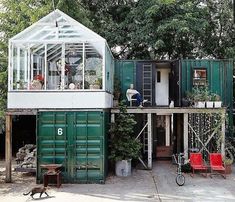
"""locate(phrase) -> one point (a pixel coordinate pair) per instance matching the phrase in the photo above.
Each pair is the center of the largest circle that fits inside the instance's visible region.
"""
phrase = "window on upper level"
(199, 77)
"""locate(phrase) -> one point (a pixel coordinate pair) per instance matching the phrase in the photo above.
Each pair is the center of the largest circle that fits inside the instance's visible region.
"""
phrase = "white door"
(162, 87)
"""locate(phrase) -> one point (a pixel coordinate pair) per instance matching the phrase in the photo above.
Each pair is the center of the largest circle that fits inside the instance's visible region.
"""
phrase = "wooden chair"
(216, 164)
(197, 163)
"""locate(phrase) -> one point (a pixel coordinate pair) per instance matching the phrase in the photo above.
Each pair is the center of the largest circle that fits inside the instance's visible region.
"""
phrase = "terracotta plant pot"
(228, 169)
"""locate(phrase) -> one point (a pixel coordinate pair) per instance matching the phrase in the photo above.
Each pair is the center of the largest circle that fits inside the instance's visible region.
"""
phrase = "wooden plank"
(21, 112)
(167, 110)
(8, 149)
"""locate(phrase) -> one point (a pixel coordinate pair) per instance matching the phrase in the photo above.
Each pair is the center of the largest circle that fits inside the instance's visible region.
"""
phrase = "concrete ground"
(156, 185)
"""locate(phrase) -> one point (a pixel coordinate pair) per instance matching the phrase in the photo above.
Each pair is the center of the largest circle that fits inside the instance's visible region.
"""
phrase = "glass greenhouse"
(57, 54)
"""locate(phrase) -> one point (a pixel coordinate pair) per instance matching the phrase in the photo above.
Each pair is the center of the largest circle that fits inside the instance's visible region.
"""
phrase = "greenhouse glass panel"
(74, 66)
(37, 72)
(54, 66)
(14, 66)
(93, 67)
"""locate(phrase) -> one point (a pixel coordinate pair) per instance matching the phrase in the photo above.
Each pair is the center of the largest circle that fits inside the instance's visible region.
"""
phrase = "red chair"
(197, 163)
(216, 164)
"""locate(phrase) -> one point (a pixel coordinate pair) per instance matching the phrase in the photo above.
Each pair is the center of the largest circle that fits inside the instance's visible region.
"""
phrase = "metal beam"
(186, 136)
(150, 141)
(223, 136)
(8, 148)
(167, 130)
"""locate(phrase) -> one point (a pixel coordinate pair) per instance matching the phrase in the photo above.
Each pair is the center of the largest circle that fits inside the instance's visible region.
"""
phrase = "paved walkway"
(156, 185)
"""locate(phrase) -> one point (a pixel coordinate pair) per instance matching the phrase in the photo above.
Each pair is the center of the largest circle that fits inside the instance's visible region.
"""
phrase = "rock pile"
(27, 155)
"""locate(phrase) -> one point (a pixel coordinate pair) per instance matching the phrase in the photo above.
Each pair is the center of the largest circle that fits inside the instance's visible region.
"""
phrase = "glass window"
(54, 66)
(74, 66)
(93, 68)
(199, 77)
(37, 72)
(19, 69)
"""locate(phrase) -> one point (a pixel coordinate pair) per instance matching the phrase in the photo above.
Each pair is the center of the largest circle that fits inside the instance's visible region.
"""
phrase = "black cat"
(36, 190)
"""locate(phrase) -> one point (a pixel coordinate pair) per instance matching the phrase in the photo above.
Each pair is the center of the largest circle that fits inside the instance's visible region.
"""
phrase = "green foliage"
(123, 145)
(117, 88)
(165, 28)
(202, 93)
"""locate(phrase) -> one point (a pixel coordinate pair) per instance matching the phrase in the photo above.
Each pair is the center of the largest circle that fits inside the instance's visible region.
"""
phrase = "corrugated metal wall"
(219, 77)
(125, 71)
(75, 139)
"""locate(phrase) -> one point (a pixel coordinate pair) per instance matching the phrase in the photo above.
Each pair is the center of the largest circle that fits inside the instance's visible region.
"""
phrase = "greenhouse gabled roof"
(56, 26)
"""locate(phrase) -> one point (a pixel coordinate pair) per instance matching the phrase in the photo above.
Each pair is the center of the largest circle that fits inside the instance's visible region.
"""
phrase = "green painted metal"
(125, 71)
(75, 139)
(219, 78)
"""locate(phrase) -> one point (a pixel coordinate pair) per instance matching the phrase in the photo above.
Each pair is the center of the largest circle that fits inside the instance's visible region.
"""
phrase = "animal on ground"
(36, 190)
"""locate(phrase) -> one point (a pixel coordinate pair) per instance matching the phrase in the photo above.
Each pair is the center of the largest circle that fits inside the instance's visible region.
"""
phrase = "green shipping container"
(77, 140)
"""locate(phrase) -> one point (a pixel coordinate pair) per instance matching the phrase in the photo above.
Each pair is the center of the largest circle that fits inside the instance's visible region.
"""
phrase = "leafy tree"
(218, 39)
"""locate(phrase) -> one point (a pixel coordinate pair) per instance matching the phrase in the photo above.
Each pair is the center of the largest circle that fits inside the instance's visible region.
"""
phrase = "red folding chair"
(197, 163)
(216, 164)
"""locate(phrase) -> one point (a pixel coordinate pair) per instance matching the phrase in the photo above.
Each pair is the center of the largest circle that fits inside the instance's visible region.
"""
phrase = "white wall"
(55, 99)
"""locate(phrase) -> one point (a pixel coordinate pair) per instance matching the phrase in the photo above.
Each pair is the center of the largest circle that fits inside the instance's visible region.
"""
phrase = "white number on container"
(60, 131)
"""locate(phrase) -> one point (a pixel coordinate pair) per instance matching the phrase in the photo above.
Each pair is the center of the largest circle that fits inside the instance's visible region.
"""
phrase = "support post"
(112, 118)
(8, 148)
(149, 141)
(223, 136)
(186, 136)
(167, 130)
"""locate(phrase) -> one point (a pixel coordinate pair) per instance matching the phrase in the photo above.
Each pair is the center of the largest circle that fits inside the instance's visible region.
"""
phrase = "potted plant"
(124, 147)
(198, 97)
(187, 100)
(217, 100)
(209, 102)
(228, 165)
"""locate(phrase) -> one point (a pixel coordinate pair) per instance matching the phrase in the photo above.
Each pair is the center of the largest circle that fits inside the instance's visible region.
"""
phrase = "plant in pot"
(198, 97)
(216, 99)
(124, 147)
(207, 97)
(188, 99)
(228, 165)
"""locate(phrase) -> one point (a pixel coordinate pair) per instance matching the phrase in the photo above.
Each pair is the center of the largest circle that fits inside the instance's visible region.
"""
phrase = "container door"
(89, 148)
(52, 141)
(175, 93)
(75, 140)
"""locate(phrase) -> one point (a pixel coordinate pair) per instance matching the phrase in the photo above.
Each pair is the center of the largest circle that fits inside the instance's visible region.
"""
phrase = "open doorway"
(23, 131)
(162, 136)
